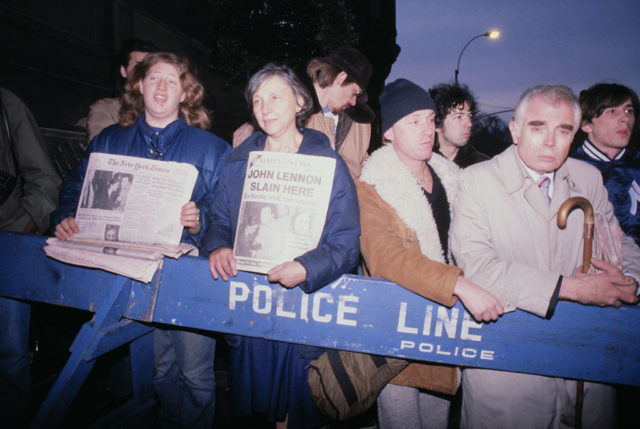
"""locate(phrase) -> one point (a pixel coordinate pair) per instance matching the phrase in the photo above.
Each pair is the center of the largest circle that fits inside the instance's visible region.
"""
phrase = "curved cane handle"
(563, 214)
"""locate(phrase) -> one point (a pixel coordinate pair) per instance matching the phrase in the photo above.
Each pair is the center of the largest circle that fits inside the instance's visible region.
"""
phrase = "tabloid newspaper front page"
(284, 206)
(129, 214)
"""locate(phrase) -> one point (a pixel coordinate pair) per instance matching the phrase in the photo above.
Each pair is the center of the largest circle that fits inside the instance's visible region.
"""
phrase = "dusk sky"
(573, 42)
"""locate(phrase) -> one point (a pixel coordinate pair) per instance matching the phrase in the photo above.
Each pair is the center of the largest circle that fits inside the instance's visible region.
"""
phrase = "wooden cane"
(563, 214)
(589, 222)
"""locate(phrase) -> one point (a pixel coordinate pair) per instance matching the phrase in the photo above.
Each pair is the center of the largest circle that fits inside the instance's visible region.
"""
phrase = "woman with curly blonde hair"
(191, 110)
(162, 118)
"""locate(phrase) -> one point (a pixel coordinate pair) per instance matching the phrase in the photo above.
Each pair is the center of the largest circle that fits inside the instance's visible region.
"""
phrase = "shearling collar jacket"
(397, 187)
(400, 242)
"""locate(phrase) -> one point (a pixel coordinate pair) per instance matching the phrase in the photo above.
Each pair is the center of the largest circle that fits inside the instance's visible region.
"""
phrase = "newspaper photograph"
(129, 213)
(283, 209)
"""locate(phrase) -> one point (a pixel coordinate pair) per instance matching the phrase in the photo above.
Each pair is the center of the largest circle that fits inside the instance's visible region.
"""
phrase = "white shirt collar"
(536, 176)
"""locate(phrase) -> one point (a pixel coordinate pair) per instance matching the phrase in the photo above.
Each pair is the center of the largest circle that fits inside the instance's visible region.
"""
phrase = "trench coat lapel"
(517, 178)
(561, 189)
(537, 201)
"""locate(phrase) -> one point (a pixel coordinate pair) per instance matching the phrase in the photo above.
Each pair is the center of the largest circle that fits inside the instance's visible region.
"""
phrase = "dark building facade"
(59, 56)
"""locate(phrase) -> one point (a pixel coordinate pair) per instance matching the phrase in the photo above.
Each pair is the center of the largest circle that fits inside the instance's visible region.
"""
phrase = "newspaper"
(607, 243)
(128, 213)
(283, 209)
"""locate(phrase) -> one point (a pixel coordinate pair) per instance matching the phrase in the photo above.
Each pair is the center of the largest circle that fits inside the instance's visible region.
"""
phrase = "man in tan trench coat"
(505, 237)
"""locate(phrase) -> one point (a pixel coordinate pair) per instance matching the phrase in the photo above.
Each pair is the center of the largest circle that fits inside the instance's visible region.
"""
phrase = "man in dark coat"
(455, 108)
(25, 208)
(609, 113)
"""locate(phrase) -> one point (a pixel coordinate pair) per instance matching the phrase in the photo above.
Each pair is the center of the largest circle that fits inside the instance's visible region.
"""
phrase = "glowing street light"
(493, 34)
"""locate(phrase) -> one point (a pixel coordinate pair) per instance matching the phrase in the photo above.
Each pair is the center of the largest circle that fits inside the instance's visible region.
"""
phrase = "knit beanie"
(401, 98)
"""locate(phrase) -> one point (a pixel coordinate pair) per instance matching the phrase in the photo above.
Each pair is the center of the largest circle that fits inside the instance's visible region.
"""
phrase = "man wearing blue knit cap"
(405, 193)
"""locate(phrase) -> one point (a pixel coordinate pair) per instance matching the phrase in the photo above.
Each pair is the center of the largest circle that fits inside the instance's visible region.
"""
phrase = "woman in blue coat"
(270, 376)
(162, 118)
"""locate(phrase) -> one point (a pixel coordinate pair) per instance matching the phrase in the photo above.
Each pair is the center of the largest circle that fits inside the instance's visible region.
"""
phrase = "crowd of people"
(426, 210)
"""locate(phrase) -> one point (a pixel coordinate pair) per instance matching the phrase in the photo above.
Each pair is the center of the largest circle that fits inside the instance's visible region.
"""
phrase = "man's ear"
(388, 134)
(123, 72)
(515, 131)
(586, 126)
(342, 76)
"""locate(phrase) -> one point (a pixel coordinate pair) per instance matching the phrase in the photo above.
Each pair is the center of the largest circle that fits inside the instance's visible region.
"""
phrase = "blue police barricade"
(353, 313)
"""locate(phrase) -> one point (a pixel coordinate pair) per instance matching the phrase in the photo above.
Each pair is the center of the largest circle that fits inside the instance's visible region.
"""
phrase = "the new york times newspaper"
(129, 214)
(284, 206)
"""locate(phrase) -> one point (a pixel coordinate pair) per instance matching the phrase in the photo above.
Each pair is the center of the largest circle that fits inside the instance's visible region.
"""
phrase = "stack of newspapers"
(128, 215)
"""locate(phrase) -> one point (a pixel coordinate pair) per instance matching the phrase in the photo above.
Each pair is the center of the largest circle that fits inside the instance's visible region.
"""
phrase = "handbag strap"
(14, 157)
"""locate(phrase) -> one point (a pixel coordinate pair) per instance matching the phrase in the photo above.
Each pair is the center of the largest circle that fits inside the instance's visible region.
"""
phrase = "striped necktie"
(543, 185)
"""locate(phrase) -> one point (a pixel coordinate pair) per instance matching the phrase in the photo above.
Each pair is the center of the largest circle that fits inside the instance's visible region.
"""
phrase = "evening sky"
(572, 42)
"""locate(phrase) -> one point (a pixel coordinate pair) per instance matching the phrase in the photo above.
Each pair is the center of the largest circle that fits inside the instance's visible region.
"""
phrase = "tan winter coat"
(102, 113)
(355, 145)
(400, 242)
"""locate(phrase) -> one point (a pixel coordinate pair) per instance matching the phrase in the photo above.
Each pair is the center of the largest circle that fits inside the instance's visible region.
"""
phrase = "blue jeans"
(15, 361)
(183, 378)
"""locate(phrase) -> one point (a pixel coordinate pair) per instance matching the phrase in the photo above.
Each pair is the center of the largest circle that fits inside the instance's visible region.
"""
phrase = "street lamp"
(493, 34)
